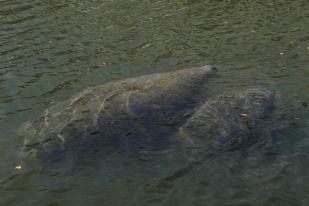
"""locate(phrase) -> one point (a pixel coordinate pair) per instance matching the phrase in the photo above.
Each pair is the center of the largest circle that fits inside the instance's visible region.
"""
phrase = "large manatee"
(127, 114)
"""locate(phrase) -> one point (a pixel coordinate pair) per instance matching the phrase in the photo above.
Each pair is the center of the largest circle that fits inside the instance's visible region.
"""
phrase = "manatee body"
(229, 121)
(126, 114)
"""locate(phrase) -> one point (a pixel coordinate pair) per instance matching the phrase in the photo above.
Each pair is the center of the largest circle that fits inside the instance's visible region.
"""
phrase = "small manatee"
(230, 120)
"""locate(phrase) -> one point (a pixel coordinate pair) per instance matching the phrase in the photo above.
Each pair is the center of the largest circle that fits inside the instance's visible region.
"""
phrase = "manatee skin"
(229, 121)
(125, 114)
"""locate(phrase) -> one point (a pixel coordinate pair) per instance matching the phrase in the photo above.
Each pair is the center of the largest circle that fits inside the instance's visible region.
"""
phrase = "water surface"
(50, 50)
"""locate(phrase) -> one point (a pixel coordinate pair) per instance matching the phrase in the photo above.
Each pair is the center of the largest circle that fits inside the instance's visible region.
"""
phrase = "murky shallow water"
(50, 50)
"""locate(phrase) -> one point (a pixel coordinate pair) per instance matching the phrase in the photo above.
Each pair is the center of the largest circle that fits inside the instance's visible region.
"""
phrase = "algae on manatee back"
(126, 115)
(229, 121)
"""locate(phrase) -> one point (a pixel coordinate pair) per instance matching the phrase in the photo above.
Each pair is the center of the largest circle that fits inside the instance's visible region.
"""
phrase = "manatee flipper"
(169, 181)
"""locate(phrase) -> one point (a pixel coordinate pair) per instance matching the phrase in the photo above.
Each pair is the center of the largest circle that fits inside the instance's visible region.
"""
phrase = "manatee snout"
(209, 68)
(213, 68)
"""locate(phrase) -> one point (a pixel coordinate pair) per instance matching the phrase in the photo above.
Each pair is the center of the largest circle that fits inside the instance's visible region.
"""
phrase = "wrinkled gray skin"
(128, 114)
(154, 112)
(232, 120)
(229, 121)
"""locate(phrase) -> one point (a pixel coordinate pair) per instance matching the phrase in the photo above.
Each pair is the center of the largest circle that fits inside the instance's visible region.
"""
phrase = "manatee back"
(128, 113)
(228, 121)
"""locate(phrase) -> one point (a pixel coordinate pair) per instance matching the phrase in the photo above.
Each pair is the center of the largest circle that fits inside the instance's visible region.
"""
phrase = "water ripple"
(53, 49)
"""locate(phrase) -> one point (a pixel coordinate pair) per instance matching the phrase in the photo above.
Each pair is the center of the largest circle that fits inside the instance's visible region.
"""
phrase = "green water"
(50, 50)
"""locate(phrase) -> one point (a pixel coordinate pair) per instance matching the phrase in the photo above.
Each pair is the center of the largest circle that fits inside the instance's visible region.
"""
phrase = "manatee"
(126, 115)
(230, 120)
(237, 120)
